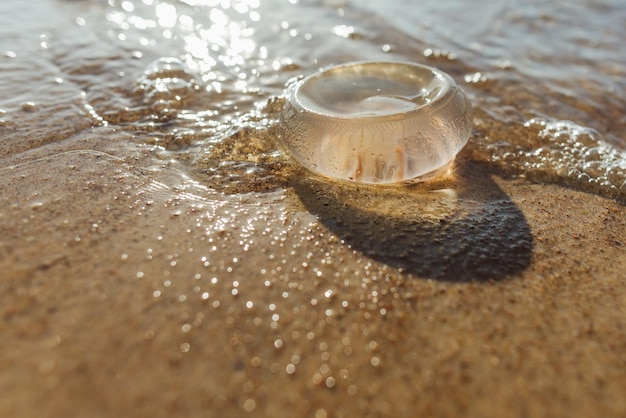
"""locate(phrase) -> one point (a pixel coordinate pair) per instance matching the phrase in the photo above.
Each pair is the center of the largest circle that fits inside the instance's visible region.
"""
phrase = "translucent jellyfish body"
(376, 122)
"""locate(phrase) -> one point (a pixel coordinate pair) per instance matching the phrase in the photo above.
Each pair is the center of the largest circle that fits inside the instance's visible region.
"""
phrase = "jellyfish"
(376, 122)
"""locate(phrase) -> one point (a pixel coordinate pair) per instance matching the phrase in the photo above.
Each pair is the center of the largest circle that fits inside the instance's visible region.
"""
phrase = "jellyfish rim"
(295, 99)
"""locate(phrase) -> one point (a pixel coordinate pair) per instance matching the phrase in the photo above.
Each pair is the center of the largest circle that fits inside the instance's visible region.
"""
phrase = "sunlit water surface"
(187, 77)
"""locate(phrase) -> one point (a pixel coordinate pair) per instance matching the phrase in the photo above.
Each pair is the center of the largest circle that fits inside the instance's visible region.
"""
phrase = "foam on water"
(560, 151)
(574, 154)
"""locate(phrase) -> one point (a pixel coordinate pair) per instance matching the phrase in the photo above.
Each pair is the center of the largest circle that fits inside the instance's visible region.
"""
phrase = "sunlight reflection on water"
(193, 73)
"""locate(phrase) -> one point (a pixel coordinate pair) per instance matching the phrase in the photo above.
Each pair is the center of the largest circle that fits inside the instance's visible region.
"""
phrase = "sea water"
(185, 77)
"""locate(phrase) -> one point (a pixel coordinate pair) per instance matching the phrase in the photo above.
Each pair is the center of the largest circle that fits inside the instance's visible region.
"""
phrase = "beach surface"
(155, 263)
(113, 303)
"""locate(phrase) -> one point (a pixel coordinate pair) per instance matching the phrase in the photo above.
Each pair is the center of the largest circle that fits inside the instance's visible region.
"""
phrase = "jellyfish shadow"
(460, 230)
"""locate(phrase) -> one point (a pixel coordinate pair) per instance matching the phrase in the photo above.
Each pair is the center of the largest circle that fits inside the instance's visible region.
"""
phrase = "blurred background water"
(199, 83)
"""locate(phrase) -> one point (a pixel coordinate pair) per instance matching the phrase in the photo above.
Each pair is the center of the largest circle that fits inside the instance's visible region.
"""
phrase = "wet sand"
(122, 296)
(160, 256)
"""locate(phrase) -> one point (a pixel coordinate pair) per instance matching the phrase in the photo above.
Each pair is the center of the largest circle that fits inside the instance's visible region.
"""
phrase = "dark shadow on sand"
(463, 229)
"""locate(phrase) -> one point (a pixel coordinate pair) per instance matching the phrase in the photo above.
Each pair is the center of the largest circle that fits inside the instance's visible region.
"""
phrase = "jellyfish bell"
(376, 122)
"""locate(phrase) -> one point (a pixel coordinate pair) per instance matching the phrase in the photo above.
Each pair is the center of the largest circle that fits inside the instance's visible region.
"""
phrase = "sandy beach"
(110, 307)
(161, 255)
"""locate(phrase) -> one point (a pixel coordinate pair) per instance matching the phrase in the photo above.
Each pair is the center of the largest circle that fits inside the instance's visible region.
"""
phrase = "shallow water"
(187, 78)
(189, 93)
